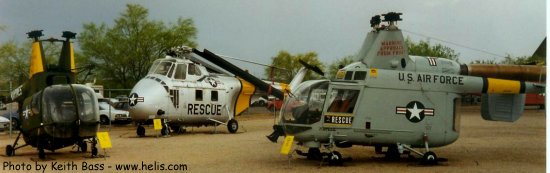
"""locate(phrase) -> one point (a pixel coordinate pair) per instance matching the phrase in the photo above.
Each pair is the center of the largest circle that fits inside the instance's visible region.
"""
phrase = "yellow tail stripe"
(500, 86)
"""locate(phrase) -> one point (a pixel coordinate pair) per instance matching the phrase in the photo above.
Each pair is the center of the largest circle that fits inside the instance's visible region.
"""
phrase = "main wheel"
(335, 158)
(94, 151)
(83, 146)
(10, 151)
(41, 154)
(164, 131)
(232, 126)
(429, 158)
(140, 131)
(104, 120)
(314, 154)
(393, 152)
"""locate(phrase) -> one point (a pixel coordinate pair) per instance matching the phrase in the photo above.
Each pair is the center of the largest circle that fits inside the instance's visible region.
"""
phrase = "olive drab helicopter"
(186, 91)
(53, 110)
(390, 99)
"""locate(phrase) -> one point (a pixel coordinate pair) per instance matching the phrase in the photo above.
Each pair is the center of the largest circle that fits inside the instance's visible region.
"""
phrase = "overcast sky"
(257, 30)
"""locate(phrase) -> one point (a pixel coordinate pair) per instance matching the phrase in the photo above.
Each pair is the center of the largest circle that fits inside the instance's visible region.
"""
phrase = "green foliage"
(16, 57)
(292, 65)
(484, 62)
(508, 59)
(523, 60)
(336, 65)
(423, 48)
(124, 52)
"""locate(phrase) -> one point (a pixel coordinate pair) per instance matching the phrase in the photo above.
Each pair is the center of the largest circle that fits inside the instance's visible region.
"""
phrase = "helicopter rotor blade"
(312, 67)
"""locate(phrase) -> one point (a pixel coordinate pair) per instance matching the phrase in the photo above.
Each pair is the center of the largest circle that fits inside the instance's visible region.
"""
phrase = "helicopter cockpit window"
(194, 70)
(307, 104)
(86, 104)
(163, 68)
(58, 110)
(180, 71)
(153, 67)
(343, 100)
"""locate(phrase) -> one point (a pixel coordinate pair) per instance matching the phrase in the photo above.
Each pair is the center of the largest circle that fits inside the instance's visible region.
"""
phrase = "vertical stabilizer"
(37, 62)
(371, 36)
(66, 59)
(385, 47)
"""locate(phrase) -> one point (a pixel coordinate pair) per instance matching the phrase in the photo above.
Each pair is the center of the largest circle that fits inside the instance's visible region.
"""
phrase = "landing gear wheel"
(393, 152)
(176, 129)
(140, 131)
(164, 131)
(429, 158)
(103, 120)
(335, 159)
(314, 154)
(232, 126)
(83, 146)
(41, 154)
(10, 151)
(94, 152)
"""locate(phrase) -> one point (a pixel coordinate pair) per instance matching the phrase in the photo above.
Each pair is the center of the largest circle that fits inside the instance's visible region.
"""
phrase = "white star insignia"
(415, 112)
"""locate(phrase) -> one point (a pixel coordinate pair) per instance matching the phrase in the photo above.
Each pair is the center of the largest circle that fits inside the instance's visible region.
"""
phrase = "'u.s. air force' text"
(431, 78)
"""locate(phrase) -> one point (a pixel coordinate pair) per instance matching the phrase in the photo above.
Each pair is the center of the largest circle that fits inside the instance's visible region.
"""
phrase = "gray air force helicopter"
(184, 90)
(389, 99)
(54, 111)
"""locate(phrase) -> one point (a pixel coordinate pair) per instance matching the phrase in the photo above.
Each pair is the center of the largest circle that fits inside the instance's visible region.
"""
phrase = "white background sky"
(257, 30)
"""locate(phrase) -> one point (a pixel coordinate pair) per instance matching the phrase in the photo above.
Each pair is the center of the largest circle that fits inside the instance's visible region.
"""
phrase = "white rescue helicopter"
(185, 91)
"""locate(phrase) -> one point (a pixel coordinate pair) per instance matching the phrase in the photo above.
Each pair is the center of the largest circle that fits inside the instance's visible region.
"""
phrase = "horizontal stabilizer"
(502, 107)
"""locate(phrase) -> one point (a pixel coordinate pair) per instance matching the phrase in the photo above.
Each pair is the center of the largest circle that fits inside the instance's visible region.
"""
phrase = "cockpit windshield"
(162, 67)
(306, 106)
(60, 111)
(87, 110)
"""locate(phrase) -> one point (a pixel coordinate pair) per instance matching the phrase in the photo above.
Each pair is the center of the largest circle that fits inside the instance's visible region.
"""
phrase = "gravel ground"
(483, 146)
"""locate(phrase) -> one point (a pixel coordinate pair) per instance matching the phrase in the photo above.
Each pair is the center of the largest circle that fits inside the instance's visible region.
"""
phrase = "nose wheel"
(140, 131)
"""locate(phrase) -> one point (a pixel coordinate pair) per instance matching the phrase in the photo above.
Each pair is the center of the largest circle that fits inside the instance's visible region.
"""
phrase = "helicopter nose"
(146, 98)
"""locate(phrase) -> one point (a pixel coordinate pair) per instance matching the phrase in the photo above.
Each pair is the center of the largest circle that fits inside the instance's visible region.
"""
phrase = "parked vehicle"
(274, 104)
(532, 99)
(4, 124)
(121, 105)
(15, 118)
(116, 115)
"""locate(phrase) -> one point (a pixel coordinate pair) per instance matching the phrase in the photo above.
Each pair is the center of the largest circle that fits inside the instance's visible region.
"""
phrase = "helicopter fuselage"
(369, 106)
(186, 94)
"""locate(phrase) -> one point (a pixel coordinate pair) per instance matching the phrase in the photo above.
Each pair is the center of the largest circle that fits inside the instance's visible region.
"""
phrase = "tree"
(508, 59)
(423, 48)
(483, 62)
(16, 57)
(292, 65)
(124, 52)
(336, 65)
